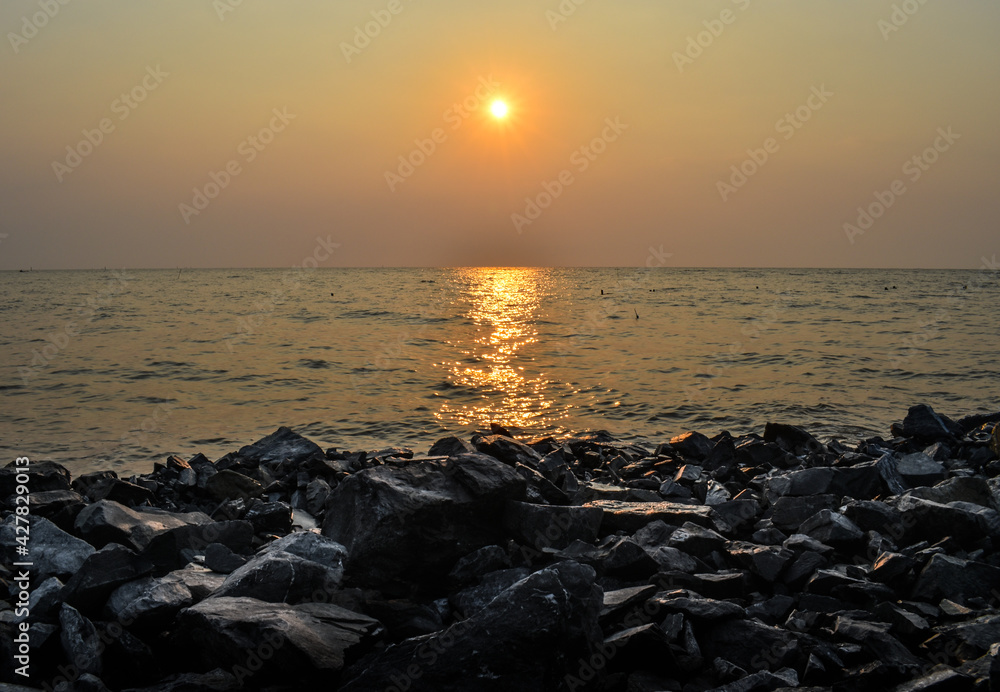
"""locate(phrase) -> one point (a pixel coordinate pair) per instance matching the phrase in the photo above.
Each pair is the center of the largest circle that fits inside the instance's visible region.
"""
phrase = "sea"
(117, 369)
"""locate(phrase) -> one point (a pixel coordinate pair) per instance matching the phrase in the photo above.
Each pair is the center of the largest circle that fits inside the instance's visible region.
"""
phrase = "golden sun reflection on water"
(496, 378)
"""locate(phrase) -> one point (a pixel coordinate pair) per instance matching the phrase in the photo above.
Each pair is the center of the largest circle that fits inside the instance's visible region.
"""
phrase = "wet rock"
(46, 598)
(695, 607)
(175, 548)
(470, 601)
(53, 551)
(42, 476)
(956, 579)
(149, 601)
(919, 469)
(450, 447)
(221, 559)
(472, 567)
(888, 567)
(632, 516)
(959, 489)
(544, 526)
(696, 540)
(749, 644)
(230, 485)
(107, 522)
(317, 494)
(618, 602)
(270, 517)
(879, 644)
(200, 581)
(404, 619)
(50, 503)
(759, 454)
(507, 450)
(312, 639)
(314, 547)
(692, 445)
(832, 528)
(411, 523)
(767, 562)
(530, 638)
(282, 446)
(102, 573)
(941, 678)
(873, 516)
(924, 424)
(791, 512)
(791, 438)
(927, 520)
(80, 641)
(279, 577)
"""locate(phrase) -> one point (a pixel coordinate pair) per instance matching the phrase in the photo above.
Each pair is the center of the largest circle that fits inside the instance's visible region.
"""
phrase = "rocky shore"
(759, 562)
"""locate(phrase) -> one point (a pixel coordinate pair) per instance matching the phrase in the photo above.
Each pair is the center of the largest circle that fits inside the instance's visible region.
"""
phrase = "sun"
(499, 109)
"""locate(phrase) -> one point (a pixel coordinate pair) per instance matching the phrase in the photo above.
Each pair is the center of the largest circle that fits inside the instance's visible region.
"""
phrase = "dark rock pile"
(727, 563)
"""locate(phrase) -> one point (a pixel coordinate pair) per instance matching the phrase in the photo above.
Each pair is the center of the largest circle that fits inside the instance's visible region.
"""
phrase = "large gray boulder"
(54, 552)
(410, 522)
(274, 639)
(110, 522)
(529, 639)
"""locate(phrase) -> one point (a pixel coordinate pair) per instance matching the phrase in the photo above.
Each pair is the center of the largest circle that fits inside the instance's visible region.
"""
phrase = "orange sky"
(629, 125)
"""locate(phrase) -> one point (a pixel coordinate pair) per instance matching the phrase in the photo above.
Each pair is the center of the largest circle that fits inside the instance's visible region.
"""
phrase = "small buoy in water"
(602, 291)
(636, 313)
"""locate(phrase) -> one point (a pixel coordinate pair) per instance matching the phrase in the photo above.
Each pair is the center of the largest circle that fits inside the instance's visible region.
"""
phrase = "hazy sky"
(641, 107)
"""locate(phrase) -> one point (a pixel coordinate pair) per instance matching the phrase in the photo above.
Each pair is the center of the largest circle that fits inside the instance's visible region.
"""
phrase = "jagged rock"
(230, 485)
(149, 601)
(475, 565)
(759, 454)
(280, 577)
(45, 599)
(772, 611)
(940, 678)
(470, 601)
(959, 489)
(790, 512)
(791, 438)
(314, 547)
(632, 516)
(270, 517)
(529, 638)
(903, 622)
(617, 602)
(890, 566)
(221, 559)
(200, 581)
(879, 644)
(282, 446)
(696, 540)
(450, 447)
(317, 494)
(49, 503)
(873, 516)
(861, 481)
(692, 445)
(766, 562)
(102, 573)
(832, 528)
(312, 639)
(53, 551)
(956, 579)
(507, 450)
(749, 644)
(42, 476)
(107, 522)
(413, 522)
(79, 640)
(966, 640)
(928, 520)
(919, 469)
(175, 548)
(544, 526)
(696, 607)
(923, 423)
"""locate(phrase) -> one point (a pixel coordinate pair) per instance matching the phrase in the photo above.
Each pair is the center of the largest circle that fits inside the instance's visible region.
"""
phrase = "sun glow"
(499, 109)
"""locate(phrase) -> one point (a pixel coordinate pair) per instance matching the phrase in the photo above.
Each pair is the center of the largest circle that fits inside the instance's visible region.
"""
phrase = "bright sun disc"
(498, 109)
